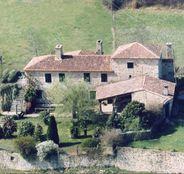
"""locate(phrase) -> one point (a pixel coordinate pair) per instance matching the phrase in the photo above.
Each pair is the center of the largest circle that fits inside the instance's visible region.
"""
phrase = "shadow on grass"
(164, 129)
(68, 144)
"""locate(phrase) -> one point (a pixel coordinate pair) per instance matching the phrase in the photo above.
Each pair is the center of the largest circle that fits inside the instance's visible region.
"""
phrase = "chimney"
(169, 50)
(59, 51)
(165, 90)
(99, 47)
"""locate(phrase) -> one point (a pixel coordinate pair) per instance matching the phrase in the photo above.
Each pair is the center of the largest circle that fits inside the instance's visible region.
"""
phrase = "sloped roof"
(140, 83)
(70, 63)
(136, 50)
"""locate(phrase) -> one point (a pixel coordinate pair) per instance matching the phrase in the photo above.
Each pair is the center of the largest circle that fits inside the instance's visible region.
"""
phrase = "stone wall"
(141, 67)
(74, 76)
(131, 159)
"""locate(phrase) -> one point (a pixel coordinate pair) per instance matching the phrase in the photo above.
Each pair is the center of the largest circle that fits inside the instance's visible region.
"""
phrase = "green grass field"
(170, 142)
(30, 27)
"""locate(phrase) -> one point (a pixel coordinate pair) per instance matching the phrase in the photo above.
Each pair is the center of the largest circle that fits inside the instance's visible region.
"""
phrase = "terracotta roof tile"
(140, 83)
(71, 63)
(135, 50)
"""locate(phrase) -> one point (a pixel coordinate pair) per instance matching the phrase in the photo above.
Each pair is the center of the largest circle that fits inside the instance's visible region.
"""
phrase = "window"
(103, 77)
(130, 65)
(48, 78)
(87, 77)
(61, 77)
(130, 76)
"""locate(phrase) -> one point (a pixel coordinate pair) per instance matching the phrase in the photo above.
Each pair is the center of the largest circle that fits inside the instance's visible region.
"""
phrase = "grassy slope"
(171, 142)
(29, 24)
(76, 24)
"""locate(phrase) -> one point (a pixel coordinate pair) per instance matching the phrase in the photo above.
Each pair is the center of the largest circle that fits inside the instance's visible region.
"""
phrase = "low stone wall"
(131, 159)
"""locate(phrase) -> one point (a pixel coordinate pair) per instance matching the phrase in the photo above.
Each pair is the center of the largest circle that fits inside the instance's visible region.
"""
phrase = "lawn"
(170, 142)
(34, 27)
(63, 124)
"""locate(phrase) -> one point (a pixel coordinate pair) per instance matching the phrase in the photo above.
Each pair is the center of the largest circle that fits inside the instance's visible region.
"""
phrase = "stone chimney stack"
(99, 47)
(169, 50)
(59, 51)
(165, 90)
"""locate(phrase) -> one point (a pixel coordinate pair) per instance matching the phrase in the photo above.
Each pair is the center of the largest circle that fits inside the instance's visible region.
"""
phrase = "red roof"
(70, 63)
(140, 83)
(135, 50)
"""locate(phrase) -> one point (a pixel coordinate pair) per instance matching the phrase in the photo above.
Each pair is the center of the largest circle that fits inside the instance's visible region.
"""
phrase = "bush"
(30, 94)
(13, 76)
(26, 128)
(4, 78)
(9, 127)
(45, 116)
(111, 137)
(52, 132)
(75, 132)
(90, 143)
(26, 147)
(1, 132)
(38, 135)
(113, 4)
(47, 150)
(7, 105)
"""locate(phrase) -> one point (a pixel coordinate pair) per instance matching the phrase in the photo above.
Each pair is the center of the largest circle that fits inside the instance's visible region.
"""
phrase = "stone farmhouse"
(127, 62)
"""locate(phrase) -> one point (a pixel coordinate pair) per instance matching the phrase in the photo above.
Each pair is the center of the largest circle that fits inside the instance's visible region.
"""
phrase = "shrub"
(111, 137)
(75, 132)
(38, 135)
(113, 4)
(45, 116)
(12, 76)
(4, 78)
(30, 94)
(9, 127)
(1, 132)
(52, 132)
(26, 128)
(26, 147)
(47, 150)
(90, 143)
(7, 105)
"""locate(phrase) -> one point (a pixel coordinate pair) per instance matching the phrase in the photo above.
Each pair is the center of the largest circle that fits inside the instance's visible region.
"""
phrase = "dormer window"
(130, 65)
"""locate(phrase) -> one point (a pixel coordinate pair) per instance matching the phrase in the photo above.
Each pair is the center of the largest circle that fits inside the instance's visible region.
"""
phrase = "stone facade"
(140, 68)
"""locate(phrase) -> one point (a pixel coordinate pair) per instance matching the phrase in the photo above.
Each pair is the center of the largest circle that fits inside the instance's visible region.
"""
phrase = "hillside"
(30, 27)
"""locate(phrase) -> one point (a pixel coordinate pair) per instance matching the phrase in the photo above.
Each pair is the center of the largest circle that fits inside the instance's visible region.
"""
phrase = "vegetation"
(47, 150)
(26, 147)
(38, 134)
(45, 116)
(9, 127)
(52, 132)
(134, 117)
(74, 98)
(30, 94)
(90, 143)
(26, 129)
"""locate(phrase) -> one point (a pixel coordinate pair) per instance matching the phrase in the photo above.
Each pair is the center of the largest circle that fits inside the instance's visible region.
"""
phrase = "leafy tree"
(52, 132)
(38, 133)
(130, 116)
(74, 98)
(30, 95)
(1, 132)
(9, 127)
(26, 128)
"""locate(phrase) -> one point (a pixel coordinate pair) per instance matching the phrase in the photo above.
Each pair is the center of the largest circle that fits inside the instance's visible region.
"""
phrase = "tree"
(75, 98)
(52, 132)
(9, 127)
